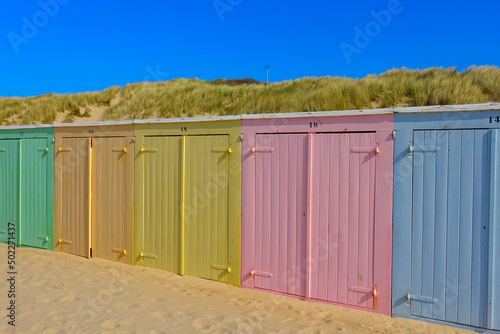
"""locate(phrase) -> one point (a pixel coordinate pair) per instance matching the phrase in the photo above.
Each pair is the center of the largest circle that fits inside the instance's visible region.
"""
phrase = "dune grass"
(193, 97)
(43, 108)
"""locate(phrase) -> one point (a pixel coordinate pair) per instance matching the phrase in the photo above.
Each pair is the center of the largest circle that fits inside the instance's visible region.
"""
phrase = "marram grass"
(193, 97)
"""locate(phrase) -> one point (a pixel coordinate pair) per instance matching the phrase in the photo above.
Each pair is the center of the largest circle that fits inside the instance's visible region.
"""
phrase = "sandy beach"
(61, 293)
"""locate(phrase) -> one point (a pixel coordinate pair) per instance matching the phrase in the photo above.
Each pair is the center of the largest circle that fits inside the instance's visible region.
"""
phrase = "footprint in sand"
(58, 319)
(256, 304)
(160, 314)
(178, 314)
(52, 331)
(157, 299)
(121, 305)
(57, 286)
(35, 283)
(204, 325)
(213, 315)
(327, 321)
(168, 316)
(171, 286)
(321, 315)
(235, 302)
(184, 292)
(205, 292)
(258, 316)
(110, 324)
(47, 300)
(69, 299)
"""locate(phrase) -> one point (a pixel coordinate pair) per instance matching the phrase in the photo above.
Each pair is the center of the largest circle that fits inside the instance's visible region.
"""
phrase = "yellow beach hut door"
(162, 202)
(186, 205)
(206, 211)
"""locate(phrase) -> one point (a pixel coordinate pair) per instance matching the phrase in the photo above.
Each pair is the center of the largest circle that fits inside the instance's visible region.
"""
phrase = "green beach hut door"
(9, 186)
(35, 213)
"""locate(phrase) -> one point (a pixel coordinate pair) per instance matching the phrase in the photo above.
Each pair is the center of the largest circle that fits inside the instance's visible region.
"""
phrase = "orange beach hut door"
(112, 226)
(96, 202)
(75, 171)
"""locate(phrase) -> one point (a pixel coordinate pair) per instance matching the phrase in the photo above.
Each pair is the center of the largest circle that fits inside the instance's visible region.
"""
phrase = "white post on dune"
(267, 78)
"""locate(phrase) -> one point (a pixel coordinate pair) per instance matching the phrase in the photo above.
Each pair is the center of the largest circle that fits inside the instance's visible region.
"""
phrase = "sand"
(95, 115)
(62, 293)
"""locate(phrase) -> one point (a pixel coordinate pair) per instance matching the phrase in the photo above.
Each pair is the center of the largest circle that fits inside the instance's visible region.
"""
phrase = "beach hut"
(94, 190)
(317, 206)
(446, 265)
(188, 196)
(27, 186)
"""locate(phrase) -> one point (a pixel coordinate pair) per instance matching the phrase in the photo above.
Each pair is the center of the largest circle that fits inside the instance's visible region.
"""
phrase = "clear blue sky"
(67, 46)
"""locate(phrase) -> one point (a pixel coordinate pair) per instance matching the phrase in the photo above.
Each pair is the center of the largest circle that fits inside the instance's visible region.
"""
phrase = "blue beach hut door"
(451, 226)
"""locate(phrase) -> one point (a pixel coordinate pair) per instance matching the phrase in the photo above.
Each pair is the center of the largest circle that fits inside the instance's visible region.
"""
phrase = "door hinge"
(120, 250)
(120, 149)
(3, 232)
(221, 267)
(3, 150)
(410, 297)
(262, 149)
(43, 237)
(373, 290)
(45, 149)
(412, 148)
(148, 150)
(149, 256)
(375, 149)
(62, 241)
(64, 149)
(254, 273)
(227, 150)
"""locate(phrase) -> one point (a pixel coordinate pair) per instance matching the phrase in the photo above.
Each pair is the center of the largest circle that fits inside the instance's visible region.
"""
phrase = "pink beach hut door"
(315, 196)
(281, 213)
(342, 218)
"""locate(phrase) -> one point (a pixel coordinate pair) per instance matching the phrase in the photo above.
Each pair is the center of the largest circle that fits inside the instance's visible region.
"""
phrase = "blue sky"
(68, 46)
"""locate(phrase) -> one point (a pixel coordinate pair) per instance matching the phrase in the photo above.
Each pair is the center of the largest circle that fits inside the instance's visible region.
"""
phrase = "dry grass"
(43, 109)
(182, 97)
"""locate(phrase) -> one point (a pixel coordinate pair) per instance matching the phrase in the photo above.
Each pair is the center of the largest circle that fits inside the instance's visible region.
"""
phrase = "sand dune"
(61, 293)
